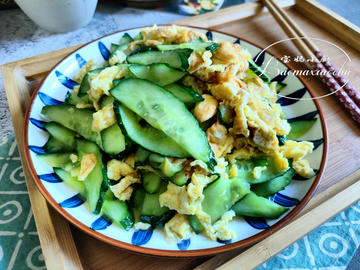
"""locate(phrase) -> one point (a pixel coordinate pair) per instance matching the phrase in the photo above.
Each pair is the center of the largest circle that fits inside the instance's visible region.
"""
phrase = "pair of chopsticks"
(344, 92)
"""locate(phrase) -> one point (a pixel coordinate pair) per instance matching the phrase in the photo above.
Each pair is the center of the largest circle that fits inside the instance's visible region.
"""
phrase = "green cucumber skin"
(163, 144)
(195, 224)
(171, 58)
(245, 168)
(165, 112)
(255, 206)
(186, 94)
(299, 128)
(274, 185)
(56, 160)
(94, 182)
(73, 99)
(258, 71)
(141, 156)
(113, 140)
(125, 39)
(160, 74)
(55, 146)
(195, 45)
(227, 193)
(78, 120)
(70, 181)
(151, 182)
(118, 212)
(61, 134)
(105, 100)
(85, 84)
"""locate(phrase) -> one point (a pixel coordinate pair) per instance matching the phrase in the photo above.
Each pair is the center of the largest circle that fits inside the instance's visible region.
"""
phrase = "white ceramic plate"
(53, 91)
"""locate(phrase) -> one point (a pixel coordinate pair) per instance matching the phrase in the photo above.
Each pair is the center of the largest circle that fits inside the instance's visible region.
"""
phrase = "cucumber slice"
(118, 212)
(56, 159)
(146, 136)
(78, 120)
(282, 139)
(113, 47)
(151, 211)
(113, 140)
(73, 99)
(196, 45)
(245, 168)
(160, 74)
(125, 39)
(94, 186)
(55, 146)
(226, 193)
(138, 36)
(105, 100)
(255, 206)
(85, 84)
(226, 115)
(172, 58)
(279, 87)
(151, 182)
(274, 185)
(179, 179)
(258, 71)
(186, 94)
(167, 168)
(196, 224)
(165, 112)
(141, 156)
(299, 128)
(118, 56)
(70, 181)
(137, 198)
(61, 134)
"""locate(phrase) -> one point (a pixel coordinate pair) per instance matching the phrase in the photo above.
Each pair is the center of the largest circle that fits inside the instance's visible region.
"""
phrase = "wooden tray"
(65, 247)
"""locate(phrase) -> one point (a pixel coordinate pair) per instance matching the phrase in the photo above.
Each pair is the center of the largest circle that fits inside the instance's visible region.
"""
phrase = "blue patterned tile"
(72, 202)
(81, 61)
(292, 98)
(50, 178)
(184, 244)
(37, 123)
(104, 51)
(100, 223)
(64, 80)
(47, 100)
(141, 237)
(257, 223)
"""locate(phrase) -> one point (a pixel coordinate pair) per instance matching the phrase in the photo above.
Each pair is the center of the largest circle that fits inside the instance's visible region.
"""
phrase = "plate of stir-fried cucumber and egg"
(173, 141)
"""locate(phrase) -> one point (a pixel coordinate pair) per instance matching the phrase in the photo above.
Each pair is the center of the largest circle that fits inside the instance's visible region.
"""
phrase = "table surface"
(21, 38)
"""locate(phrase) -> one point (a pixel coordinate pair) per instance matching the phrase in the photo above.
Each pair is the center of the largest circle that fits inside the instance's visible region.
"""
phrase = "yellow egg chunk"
(296, 150)
(87, 164)
(103, 118)
(116, 169)
(220, 230)
(302, 167)
(205, 109)
(178, 228)
(123, 189)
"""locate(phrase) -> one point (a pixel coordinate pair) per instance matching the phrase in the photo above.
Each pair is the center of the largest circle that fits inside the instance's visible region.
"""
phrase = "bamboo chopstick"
(311, 52)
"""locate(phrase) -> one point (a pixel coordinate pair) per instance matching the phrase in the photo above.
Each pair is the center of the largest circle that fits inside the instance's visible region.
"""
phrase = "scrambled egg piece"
(87, 164)
(103, 118)
(302, 167)
(116, 169)
(141, 226)
(296, 150)
(221, 142)
(101, 83)
(123, 189)
(220, 230)
(198, 60)
(281, 163)
(178, 228)
(185, 199)
(89, 65)
(205, 109)
(171, 34)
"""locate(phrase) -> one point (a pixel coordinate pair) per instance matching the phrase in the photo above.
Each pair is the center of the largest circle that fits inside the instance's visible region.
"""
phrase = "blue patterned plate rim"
(162, 252)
